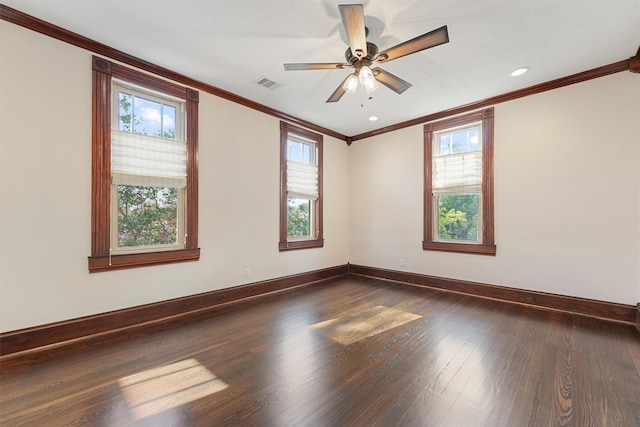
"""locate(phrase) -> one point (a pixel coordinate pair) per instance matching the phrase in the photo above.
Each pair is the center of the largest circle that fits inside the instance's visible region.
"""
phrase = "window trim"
(487, 247)
(101, 259)
(284, 244)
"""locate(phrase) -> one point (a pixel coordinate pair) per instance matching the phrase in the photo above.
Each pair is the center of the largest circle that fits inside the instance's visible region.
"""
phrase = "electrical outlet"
(247, 272)
(402, 262)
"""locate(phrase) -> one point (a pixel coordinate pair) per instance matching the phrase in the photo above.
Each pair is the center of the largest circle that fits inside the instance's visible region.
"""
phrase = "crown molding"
(46, 28)
(594, 73)
(32, 23)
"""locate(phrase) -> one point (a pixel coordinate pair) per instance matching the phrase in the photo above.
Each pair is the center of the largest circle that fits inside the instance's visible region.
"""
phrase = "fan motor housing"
(372, 51)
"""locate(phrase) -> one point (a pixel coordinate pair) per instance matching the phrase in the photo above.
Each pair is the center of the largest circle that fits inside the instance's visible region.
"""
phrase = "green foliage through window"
(458, 216)
(298, 218)
(147, 216)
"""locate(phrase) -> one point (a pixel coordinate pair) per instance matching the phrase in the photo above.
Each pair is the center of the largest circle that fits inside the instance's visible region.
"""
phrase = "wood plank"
(91, 327)
(463, 361)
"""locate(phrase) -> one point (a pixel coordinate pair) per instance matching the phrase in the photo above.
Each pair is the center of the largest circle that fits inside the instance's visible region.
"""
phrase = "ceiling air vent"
(265, 82)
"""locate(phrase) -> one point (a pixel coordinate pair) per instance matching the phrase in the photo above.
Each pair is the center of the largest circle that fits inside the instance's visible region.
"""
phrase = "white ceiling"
(231, 44)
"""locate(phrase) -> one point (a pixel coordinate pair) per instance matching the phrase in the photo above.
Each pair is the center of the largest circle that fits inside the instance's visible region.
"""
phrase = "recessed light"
(373, 118)
(520, 71)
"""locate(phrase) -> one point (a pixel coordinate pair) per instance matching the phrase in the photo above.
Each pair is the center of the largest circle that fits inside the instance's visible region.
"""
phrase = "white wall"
(567, 196)
(45, 187)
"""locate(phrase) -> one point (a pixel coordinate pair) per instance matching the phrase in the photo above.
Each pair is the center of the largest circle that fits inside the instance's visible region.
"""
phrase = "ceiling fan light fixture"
(367, 80)
(351, 84)
(371, 86)
(361, 54)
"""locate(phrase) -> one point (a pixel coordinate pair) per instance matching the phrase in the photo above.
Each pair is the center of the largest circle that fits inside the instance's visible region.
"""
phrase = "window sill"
(300, 244)
(460, 248)
(119, 262)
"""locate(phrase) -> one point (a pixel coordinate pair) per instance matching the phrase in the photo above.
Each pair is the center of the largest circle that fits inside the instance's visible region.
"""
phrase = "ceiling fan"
(361, 54)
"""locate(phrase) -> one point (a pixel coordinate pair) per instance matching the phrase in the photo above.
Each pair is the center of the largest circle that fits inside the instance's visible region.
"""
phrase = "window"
(300, 188)
(458, 184)
(144, 170)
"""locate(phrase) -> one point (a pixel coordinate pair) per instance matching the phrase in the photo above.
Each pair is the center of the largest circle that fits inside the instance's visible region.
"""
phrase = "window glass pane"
(298, 217)
(474, 139)
(147, 117)
(125, 112)
(295, 151)
(147, 216)
(458, 216)
(306, 153)
(169, 121)
(459, 142)
(445, 144)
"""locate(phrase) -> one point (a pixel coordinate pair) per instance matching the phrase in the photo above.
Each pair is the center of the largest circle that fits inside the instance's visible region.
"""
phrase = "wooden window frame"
(487, 245)
(101, 259)
(317, 242)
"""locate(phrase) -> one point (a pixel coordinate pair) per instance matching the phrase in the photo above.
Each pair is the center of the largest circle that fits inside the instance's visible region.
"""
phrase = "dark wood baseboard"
(84, 328)
(583, 306)
(58, 333)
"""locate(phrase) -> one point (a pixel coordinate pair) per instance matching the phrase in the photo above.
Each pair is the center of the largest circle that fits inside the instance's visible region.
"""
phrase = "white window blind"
(146, 160)
(302, 180)
(458, 173)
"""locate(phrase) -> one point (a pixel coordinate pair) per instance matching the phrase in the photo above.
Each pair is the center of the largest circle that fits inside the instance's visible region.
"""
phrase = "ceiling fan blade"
(391, 81)
(353, 20)
(432, 38)
(337, 94)
(315, 66)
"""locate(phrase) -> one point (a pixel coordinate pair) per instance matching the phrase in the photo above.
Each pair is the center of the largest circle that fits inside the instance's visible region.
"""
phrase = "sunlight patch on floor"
(354, 327)
(159, 389)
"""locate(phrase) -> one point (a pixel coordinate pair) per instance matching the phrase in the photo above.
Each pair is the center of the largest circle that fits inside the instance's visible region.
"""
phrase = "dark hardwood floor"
(350, 352)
